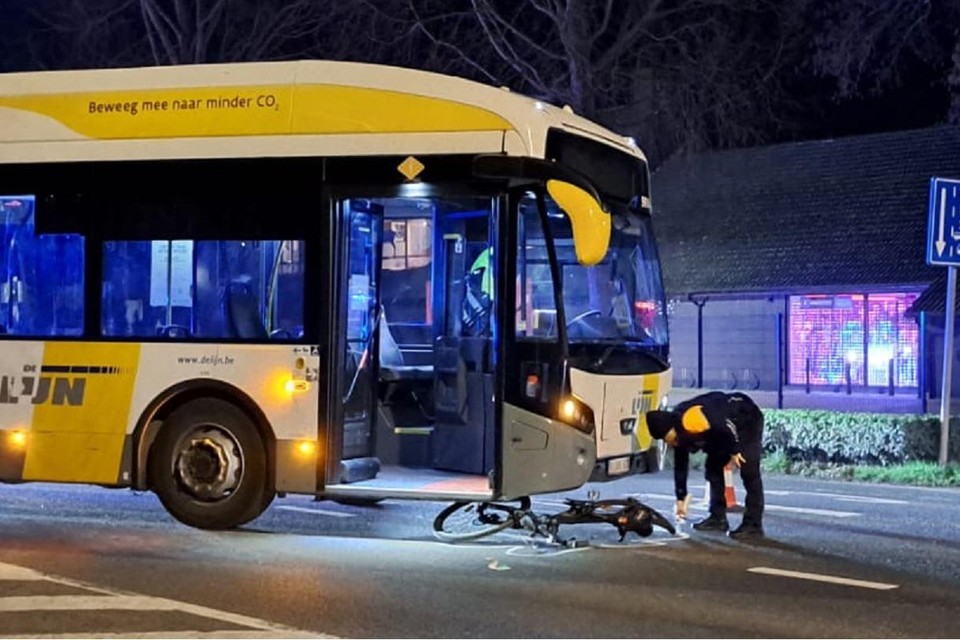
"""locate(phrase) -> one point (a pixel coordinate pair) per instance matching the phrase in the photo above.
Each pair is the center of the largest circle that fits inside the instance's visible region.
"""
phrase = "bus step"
(413, 431)
(357, 469)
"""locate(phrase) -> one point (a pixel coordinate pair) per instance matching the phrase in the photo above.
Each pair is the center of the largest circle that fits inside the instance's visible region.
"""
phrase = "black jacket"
(734, 419)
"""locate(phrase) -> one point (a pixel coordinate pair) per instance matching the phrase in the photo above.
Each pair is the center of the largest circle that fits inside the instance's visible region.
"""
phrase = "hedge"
(811, 435)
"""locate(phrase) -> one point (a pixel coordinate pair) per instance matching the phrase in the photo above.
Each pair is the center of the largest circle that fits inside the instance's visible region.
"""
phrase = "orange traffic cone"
(729, 492)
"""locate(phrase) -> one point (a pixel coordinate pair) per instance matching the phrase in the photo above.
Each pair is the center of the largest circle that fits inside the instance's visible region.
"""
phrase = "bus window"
(406, 274)
(236, 289)
(536, 308)
(41, 276)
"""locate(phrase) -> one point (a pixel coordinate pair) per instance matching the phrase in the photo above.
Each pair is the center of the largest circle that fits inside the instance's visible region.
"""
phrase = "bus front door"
(463, 435)
(363, 222)
(416, 295)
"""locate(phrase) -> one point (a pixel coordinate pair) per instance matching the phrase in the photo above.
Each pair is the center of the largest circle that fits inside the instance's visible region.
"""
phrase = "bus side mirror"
(590, 223)
(569, 188)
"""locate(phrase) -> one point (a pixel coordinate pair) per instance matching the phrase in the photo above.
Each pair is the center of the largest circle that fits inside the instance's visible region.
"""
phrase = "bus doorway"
(417, 338)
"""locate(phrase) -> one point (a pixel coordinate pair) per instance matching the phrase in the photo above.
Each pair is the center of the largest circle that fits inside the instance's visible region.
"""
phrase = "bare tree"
(194, 31)
(677, 74)
(106, 33)
(680, 73)
(861, 42)
(868, 47)
(953, 82)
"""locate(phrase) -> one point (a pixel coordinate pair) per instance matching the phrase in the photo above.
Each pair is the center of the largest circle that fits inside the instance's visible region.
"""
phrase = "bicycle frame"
(626, 515)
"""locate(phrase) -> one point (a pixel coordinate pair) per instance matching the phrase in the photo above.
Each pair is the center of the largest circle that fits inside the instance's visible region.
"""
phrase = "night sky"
(836, 67)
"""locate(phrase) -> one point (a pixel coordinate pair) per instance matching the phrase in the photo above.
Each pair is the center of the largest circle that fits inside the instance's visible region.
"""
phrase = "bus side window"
(41, 276)
(233, 289)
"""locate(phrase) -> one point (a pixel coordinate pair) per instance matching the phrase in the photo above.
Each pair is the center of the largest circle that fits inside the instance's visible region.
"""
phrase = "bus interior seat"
(241, 310)
(392, 365)
(463, 437)
(173, 331)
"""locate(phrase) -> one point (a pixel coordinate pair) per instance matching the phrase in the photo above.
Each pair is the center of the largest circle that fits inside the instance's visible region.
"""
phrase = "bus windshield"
(621, 298)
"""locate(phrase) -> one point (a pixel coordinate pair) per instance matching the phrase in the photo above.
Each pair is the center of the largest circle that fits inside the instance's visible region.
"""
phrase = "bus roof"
(292, 108)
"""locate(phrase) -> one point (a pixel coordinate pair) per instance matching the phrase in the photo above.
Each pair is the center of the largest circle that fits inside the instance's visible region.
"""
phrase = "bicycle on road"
(463, 521)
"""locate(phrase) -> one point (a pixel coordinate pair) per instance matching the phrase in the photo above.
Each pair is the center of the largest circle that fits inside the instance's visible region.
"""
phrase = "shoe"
(712, 523)
(747, 532)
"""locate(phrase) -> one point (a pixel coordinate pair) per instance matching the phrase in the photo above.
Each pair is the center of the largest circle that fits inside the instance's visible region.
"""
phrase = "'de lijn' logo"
(56, 384)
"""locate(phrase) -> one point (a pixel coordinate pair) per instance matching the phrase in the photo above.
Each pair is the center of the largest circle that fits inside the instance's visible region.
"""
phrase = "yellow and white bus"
(225, 283)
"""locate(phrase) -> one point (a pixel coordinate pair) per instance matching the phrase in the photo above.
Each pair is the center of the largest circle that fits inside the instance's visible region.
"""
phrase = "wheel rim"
(469, 521)
(209, 463)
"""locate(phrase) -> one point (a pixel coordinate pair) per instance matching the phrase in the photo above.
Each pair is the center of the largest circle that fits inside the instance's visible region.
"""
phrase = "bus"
(228, 283)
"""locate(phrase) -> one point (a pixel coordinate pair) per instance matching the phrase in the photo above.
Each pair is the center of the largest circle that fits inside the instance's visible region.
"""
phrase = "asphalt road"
(841, 560)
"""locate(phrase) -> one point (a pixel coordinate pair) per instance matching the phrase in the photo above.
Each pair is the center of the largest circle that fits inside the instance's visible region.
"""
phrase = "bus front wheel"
(209, 465)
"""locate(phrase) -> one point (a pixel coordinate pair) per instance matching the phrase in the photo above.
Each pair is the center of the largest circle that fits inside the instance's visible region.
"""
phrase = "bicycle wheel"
(463, 521)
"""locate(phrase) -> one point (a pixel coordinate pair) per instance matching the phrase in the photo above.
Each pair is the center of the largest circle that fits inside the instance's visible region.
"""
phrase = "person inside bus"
(729, 428)
(478, 296)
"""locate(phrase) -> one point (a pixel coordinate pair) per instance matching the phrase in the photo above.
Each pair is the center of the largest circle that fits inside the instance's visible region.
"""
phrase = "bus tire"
(208, 466)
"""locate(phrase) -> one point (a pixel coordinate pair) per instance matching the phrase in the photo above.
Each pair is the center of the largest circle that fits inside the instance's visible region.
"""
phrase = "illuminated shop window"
(892, 337)
(867, 333)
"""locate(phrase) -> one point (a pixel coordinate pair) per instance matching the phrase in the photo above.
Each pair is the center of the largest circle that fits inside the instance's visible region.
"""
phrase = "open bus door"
(363, 224)
(464, 354)
(547, 440)
(415, 415)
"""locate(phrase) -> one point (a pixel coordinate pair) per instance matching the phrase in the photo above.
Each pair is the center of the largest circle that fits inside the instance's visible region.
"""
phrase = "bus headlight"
(577, 414)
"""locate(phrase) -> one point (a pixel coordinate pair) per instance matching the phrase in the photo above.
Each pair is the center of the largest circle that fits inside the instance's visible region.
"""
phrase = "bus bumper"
(622, 466)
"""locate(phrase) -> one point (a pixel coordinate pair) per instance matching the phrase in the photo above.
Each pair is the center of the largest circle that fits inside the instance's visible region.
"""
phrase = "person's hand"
(737, 459)
(680, 510)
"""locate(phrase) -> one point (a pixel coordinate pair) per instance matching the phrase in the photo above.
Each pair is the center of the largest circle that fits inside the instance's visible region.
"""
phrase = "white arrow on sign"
(943, 209)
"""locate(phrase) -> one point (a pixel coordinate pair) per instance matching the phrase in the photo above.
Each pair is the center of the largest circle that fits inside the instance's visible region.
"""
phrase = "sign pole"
(947, 390)
(943, 249)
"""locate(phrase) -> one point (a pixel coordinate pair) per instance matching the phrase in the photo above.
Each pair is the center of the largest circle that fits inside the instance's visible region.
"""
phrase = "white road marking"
(528, 551)
(769, 507)
(13, 572)
(117, 600)
(818, 577)
(83, 603)
(814, 512)
(843, 497)
(643, 542)
(319, 512)
(527, 546)
(870, 500)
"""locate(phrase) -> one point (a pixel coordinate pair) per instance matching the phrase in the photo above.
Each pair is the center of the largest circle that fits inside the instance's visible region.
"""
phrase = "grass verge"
(927, 474)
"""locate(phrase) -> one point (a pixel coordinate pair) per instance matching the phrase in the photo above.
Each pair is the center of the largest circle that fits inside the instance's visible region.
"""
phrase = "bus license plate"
(618, 466)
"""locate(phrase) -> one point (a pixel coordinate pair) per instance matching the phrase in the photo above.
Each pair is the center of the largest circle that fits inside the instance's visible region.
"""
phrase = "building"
(792, 270)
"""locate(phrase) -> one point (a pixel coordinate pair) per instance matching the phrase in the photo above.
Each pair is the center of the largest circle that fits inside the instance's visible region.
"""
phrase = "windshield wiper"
(603, 357)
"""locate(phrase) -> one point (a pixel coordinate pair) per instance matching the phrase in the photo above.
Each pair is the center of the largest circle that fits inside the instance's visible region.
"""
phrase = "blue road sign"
(943, 229)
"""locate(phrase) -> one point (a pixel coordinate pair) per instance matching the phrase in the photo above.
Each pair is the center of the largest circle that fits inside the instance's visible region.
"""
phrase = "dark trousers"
(750, 475)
